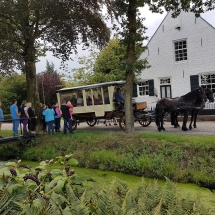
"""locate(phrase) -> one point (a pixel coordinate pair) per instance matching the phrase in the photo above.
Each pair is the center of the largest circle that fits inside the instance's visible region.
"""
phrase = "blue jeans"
(15, 126)
(69, 121)
(50, 126)
(57, 124)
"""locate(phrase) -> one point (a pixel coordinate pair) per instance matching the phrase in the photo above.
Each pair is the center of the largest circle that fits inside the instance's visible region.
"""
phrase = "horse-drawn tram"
(95, 103)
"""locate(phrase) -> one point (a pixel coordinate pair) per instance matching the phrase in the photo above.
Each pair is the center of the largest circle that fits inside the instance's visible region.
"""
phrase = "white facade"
(193, 40)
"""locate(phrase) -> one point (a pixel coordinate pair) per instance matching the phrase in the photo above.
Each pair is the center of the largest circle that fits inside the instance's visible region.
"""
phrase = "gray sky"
(152, 22)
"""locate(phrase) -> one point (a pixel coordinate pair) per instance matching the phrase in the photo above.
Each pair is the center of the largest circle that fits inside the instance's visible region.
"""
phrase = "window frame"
(182, 58)
(140, 85)
(211, 84)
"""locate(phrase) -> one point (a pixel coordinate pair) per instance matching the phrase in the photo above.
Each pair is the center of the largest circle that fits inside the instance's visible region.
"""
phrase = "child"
(69, 104)
(1, 119)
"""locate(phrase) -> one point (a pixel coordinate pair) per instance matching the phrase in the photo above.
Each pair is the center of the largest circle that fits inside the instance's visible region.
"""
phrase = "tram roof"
(91, 86)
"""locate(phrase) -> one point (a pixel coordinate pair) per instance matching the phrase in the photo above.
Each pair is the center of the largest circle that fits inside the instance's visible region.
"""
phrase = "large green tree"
(28, 28)
(132, 32)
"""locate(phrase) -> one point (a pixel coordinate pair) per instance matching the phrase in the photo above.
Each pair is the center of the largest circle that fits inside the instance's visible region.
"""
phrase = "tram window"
(73, 100)
(97, 96)
(80, 101)
(65, 96)
(106, 95)
(88, 97)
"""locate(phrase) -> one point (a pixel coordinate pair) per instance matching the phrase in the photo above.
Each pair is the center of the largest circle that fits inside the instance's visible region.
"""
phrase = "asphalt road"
(203, 127)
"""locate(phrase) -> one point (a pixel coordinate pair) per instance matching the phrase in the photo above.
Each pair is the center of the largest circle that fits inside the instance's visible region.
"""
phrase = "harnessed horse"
(195, 111)
(183, 103)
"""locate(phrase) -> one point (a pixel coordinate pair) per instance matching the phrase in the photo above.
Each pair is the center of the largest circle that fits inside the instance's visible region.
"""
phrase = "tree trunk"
(130, 53)
(31, 79)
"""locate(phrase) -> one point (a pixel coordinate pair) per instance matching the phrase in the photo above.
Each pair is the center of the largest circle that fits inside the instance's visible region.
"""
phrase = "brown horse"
(183, 103)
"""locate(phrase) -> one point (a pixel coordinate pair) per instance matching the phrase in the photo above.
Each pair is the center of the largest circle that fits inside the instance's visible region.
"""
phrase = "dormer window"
(180, 50)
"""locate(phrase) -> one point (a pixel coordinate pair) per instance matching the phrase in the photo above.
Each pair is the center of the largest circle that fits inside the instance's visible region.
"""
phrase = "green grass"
(7, 133)
(182, 158)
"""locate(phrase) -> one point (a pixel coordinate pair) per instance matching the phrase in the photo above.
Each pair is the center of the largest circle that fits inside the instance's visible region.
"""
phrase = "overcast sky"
(152, 22)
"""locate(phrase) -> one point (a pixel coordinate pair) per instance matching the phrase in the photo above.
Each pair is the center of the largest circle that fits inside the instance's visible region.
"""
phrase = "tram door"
(166, 91)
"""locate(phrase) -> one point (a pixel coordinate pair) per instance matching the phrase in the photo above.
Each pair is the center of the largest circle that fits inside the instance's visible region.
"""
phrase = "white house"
(182, 57)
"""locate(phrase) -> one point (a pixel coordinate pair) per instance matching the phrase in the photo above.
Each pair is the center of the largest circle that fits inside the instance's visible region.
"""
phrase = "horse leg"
(157, 119)
(173, 118)
(191, 121)
(176, 120)
(184, 127)
(162, 122)
(195, 118)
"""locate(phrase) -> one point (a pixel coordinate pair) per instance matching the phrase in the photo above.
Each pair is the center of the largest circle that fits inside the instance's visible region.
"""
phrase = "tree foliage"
(48, 82)
(103, 66)
(28, 28)
(12, 87)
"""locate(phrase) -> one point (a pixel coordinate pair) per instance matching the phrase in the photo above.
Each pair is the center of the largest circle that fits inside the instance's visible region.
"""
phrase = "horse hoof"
(175, 126)
(190, 128)
(184, 129)
(195, 126)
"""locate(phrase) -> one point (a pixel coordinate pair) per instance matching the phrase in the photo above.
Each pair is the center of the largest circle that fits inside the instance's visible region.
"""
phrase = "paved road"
(203, 127)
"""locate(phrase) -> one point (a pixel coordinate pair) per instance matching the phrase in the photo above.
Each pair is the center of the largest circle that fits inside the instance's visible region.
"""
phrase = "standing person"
(42, 116)
(15, 117)
(1, 119)
(32, 118)
(24, 117)
(49, 118)
(57, 117)
(66, 117)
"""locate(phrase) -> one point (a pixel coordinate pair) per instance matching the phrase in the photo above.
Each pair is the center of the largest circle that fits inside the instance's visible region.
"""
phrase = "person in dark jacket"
(42, 117)
(66, 117)
(32, 118)
(24, 117)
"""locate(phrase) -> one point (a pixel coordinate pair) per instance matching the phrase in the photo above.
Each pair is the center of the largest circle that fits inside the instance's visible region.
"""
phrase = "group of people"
(24, 114)
(51, 117)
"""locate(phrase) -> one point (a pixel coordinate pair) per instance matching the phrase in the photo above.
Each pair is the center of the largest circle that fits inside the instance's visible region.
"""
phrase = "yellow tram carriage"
(96, 101)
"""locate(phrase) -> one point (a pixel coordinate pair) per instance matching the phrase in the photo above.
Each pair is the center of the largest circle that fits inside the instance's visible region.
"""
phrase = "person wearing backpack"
(57, 117)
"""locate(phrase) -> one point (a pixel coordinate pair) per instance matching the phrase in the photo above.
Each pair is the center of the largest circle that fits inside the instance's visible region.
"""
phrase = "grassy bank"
(188, 159)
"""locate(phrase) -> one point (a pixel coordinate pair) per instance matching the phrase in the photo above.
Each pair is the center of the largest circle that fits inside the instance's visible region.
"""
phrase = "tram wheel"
(74, 124)
(91, 122)
(122, 123)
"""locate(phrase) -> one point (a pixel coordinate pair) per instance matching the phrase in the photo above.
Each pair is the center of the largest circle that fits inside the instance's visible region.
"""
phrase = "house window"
(181, 50)
(165, 81)
(143, 88)
(208, 81)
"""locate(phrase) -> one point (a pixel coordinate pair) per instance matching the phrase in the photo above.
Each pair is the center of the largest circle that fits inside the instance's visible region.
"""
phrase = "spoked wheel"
(91, 122)
(122, 123)
(74, 124)
(145, 121)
